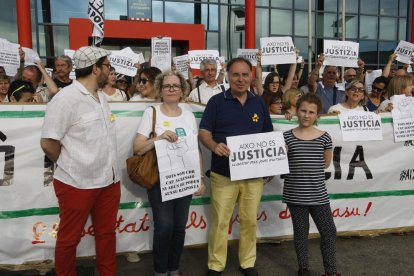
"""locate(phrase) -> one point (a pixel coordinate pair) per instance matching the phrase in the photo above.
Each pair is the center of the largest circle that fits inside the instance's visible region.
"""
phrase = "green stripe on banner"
(200, 201)
(22, 114)
(321, 121)
(128, 113)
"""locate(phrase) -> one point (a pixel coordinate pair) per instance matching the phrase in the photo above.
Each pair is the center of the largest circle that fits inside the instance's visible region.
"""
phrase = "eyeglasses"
(275, 82)
(107, 64)
(143, 81)
(374, 88)
(357, 89)
(173, 87)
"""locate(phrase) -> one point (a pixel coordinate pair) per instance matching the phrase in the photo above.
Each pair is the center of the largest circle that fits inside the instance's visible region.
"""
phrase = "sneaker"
(211, 272)
(132, 257)
(250, 271)
(303, 271)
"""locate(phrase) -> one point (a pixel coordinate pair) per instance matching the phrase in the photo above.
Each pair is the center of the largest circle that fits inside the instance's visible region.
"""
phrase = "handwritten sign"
(257, 155)
(124, 61)
(179, 167)
(404, 52)
(277, 50)
(403, 117)
(249, 54)
(197, 56)
(181, 65)
(360, 126)
(161, 53)
(341, 53)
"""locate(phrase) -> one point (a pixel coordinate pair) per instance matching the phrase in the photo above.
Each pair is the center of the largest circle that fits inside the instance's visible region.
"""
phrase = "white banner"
(181, 65)
(161, 53)
(124, 61)
(341, 53)
(277, 50)
(257, 155)
(197, 56)
(371, 186)
(96, 15)
(360, 126)
(249, 54)
(179, 167)
(404, 52)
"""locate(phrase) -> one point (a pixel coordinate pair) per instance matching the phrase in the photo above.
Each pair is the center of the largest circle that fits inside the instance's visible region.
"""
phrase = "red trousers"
(75, 205)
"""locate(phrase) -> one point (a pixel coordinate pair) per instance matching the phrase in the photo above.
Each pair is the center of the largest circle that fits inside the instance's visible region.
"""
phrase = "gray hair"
(207, 61)
(65, 58)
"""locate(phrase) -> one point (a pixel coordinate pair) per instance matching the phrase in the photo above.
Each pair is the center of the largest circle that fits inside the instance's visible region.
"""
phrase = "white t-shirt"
(183, 125)
(339, 107)
(138, 98)
(118, 96)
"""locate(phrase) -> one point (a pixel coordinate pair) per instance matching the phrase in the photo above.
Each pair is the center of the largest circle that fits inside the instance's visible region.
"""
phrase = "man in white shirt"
(79, 136)
(209, 87)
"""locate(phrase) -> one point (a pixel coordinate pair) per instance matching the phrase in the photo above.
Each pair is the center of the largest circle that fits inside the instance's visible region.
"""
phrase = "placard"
(181, 65)
(403, 117)
(124, 61)
(197, 56)
(249, 54)
(9, 57)
(161, 53)
(360, 126)
(277, 50)
(341, 53)
(404, 52)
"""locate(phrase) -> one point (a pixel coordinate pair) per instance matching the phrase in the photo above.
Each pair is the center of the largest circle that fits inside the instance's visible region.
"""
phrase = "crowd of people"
(87, 179)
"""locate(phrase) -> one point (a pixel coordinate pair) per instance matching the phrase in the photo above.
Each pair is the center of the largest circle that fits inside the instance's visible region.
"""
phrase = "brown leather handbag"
(143, 169)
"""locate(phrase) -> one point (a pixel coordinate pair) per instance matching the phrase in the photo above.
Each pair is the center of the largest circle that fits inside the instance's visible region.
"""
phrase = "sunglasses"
(143, 81)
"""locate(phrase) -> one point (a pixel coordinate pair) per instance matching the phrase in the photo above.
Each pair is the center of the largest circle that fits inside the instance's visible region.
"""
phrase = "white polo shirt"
(206, 92)
(86, 131)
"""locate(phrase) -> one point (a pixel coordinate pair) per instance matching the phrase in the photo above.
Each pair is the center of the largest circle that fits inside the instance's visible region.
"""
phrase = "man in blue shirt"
(236, 111)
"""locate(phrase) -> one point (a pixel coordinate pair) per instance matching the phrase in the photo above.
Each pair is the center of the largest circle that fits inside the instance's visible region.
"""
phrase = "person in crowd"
(37, 75)
(355, 98)
(63, 68)
(390, 68)
(274, 103)
(21, 92)
(272, 83)
(209, 87)
(112, 93)
(290, 97)
(144, 85)
(78, 134)
(326, 89)
(170, 217)
(399, 86)
(222, 117)
(123, 83)
(4, 88)
(309, 152)
(376, 97)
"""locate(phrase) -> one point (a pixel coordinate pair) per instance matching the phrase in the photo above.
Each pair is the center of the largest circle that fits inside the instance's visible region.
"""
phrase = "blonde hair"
(289, 96)
(351, 84)
(397, 85)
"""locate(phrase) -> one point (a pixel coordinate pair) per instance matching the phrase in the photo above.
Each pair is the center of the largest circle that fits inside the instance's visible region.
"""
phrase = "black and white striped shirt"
(305, 184)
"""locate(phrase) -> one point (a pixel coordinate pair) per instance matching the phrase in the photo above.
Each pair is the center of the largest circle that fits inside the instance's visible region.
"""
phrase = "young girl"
(309, 153)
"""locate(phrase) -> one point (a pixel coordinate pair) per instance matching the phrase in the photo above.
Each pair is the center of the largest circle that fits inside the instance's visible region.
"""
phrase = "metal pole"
(309, 36)
(343, 33)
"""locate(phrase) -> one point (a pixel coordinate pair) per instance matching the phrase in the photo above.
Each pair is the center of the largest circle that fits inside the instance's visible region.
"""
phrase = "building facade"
(377, 25)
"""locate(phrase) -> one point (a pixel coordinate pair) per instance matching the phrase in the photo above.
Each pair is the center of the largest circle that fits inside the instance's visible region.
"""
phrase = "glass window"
(389, 7)
(179, 12)
(114, 9)
(8, 19)
(157, 11)
(209, 17)
(302, 44)
(224, 32)
(388, 28)
(368, 51)
(58, 34)
(281, 3)
(351, 24)
(351, 6)
(303, 4)
(327, 5)
(385, 49)
(403, 7)
(372, 8)
(262, 3)
(62, 10)
(301, 23)
(326, 25)
(281, 22)
(402, 34)
(368, 27)
(212, 40)
(262, 25)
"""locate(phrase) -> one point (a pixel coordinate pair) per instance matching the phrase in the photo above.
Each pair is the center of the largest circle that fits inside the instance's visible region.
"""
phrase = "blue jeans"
(170, 220)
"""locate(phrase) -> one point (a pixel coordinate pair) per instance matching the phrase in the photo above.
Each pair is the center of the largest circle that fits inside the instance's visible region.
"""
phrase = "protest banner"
(196, 56)
(124, 61)
(249, 54)
(341, 53)
(257, 155)
(277, 50)
(403, 117)
(181, 65)
(365, 185)
(404, 52)
(9, 57)
(370, 77)
(179, 167)
(161, 53)
(360, 126)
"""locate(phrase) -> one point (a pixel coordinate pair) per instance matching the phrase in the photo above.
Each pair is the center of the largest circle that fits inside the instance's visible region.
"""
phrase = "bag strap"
(198, 92)
(154, 117)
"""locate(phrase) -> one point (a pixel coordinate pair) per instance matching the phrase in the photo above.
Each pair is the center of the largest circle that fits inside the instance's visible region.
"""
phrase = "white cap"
(88, 55)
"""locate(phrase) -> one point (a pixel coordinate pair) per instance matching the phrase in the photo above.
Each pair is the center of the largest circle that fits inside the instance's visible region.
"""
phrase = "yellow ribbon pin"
(255, 118)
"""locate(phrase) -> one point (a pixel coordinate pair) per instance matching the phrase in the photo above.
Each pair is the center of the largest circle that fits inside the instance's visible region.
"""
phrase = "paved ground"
(384, 255)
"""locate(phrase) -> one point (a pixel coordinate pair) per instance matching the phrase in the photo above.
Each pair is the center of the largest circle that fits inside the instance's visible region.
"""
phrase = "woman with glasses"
(123, 83)
(355, 98)
(376, 97)
(274, 103)
(144, 85)
(112, 93)
(170, 217)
